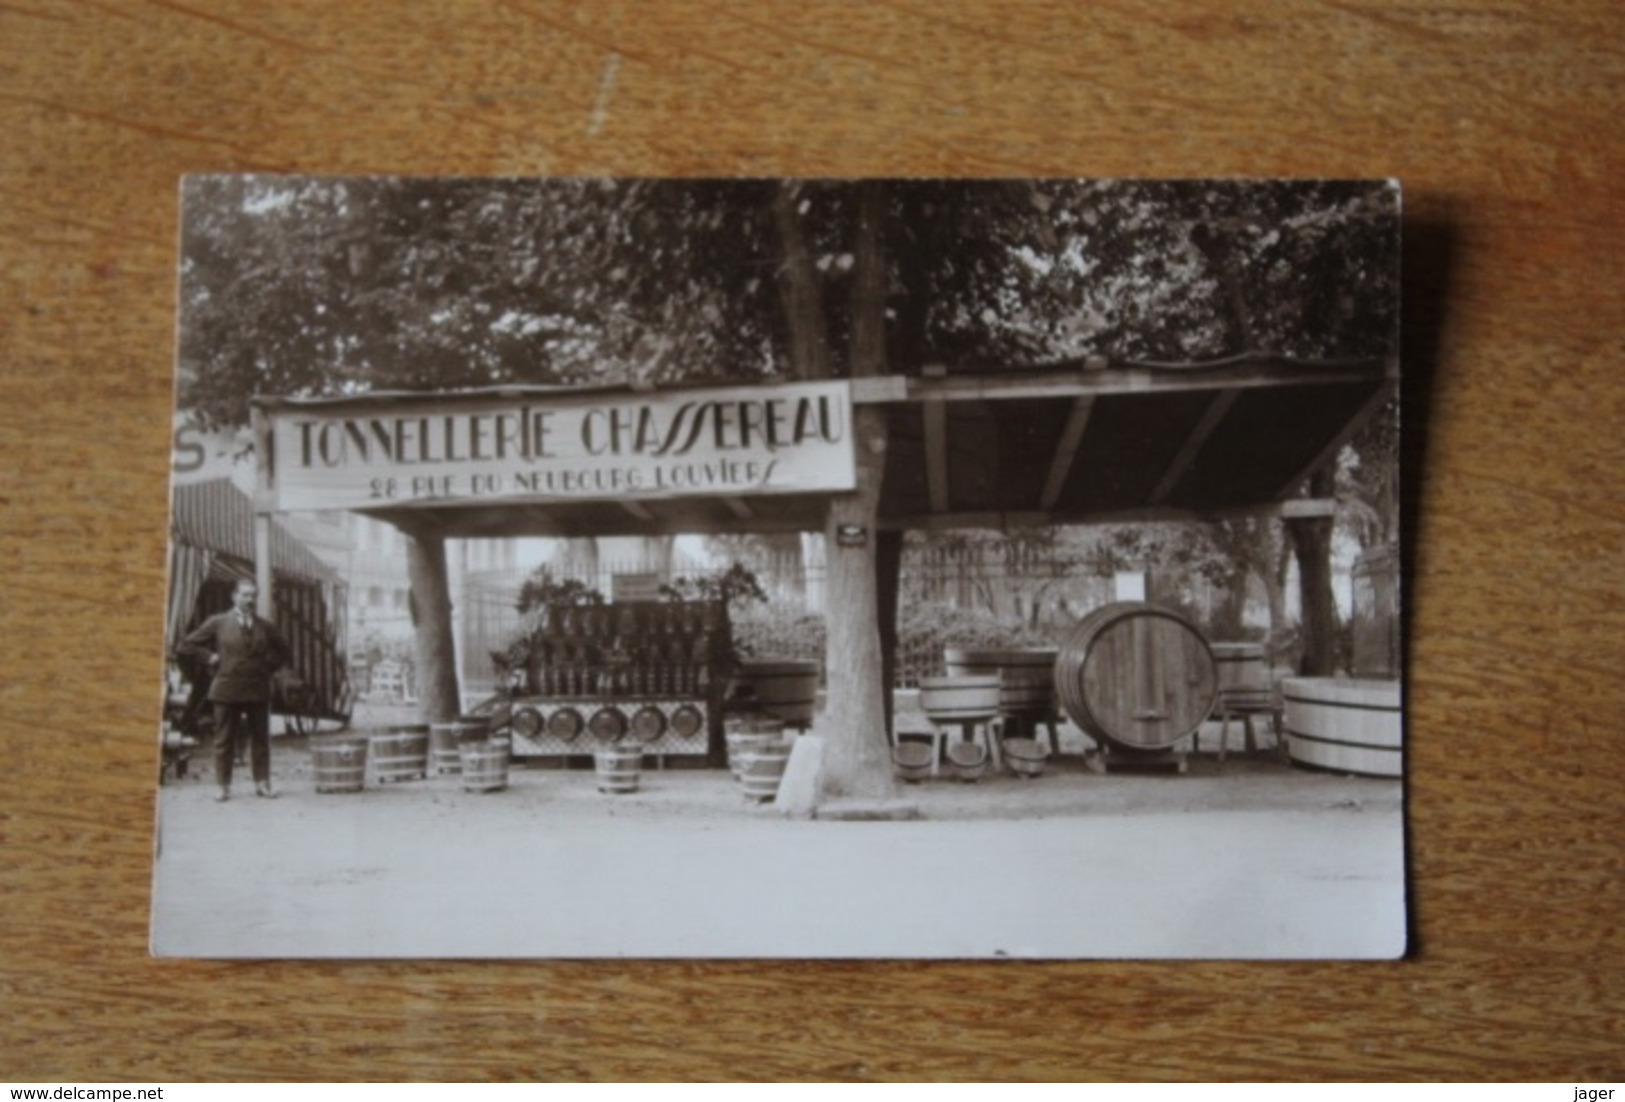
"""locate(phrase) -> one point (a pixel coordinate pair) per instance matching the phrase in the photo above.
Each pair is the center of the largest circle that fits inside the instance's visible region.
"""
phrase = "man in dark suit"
(244, 651)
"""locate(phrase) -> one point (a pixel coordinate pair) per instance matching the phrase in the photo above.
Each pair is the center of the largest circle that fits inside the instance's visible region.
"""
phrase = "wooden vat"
(1350, 726)
(1137, 676)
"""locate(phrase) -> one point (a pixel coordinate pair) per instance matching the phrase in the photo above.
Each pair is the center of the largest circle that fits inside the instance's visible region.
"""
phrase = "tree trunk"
(858, 755)
(1312, 544)
(856, 758)
(1275, 593)
(800, 289)
(426, 572)
(889, 577)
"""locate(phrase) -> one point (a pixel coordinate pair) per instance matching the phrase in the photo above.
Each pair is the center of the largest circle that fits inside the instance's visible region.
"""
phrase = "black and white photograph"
(784, 568)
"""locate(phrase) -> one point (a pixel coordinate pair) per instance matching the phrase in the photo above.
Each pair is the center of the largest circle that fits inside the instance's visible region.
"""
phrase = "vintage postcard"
(784, 568)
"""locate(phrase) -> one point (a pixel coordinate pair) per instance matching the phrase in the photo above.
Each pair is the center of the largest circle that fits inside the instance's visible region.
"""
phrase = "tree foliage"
(322, 286)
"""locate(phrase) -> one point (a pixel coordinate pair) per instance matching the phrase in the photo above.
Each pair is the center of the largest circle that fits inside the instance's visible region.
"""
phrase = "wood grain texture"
(1502, 119)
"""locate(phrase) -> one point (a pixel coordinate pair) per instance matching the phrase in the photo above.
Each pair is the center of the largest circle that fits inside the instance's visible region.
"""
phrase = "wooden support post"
(264, 576)
(427, 574)
(888, 579)
(1311, 534)
(264, 486)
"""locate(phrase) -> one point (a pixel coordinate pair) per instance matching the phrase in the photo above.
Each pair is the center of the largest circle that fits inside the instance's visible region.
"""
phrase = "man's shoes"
(222, 796)
(263, 789)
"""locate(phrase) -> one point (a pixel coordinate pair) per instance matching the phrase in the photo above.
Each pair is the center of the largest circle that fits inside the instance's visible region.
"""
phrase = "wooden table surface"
(1503, 119)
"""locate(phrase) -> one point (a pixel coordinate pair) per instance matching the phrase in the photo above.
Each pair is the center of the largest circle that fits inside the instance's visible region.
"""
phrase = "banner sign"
(450, 450)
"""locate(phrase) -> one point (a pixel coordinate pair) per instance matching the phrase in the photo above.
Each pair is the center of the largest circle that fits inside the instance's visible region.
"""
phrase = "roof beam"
(1354, 424)
(1037, 518)
(1066, 451)
(1188, 451)
(1239, 375)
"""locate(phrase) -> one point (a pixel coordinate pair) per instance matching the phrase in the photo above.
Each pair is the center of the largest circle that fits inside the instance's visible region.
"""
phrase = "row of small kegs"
(466, 748)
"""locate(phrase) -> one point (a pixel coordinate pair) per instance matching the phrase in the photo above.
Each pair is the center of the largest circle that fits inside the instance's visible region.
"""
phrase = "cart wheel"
(300, 714)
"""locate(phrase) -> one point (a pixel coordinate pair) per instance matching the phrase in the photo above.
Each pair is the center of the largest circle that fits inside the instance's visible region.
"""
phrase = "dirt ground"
(1252, 858)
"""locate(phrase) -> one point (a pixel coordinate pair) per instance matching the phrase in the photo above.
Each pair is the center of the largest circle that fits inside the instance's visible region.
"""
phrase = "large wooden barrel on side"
(1026, 676)
(786, 688)
(1353, 726)
(1137, 676)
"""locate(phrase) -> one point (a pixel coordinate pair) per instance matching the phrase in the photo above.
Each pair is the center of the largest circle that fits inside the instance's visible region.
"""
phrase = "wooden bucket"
(1026, 676)
(912, 760)
(1025, 756)
(618, 768)
(1240, 666)
(1136, 675)
(761, 768)
(960, 699)
(445, 738)
(967, 760)
(401, 754)
(785, 688)
(485, 765)
(744, 734)
(1350, 726)
(339, 762)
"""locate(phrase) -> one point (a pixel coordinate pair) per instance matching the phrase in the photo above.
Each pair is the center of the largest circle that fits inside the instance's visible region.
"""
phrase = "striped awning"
(216, 516)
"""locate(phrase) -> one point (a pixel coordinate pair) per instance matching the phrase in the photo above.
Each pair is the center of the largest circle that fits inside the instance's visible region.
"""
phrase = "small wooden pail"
(762, 768)
(339, 763)
(912, 760)
(401, 754)
(445, 738)
(618, 767)
(968, 760)
(1026, 756)
(745, 733)
(485, 765)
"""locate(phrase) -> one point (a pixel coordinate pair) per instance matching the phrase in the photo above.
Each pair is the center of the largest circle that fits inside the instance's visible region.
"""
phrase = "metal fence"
(967, 594)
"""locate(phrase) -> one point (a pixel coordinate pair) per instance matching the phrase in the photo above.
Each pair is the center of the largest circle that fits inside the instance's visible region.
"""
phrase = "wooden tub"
(1349, 726)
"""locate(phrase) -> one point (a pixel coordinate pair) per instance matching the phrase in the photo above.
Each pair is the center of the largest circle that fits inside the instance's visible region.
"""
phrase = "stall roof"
(216, 516)
(1089, 443)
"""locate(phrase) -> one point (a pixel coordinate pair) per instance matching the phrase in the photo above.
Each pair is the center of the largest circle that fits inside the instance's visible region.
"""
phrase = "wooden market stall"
(1078, 443)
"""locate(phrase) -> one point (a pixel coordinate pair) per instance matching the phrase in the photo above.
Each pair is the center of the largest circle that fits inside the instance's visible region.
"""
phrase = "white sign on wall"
(444, 450)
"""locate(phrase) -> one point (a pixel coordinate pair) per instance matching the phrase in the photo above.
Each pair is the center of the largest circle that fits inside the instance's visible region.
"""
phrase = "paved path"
(1287, 865)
